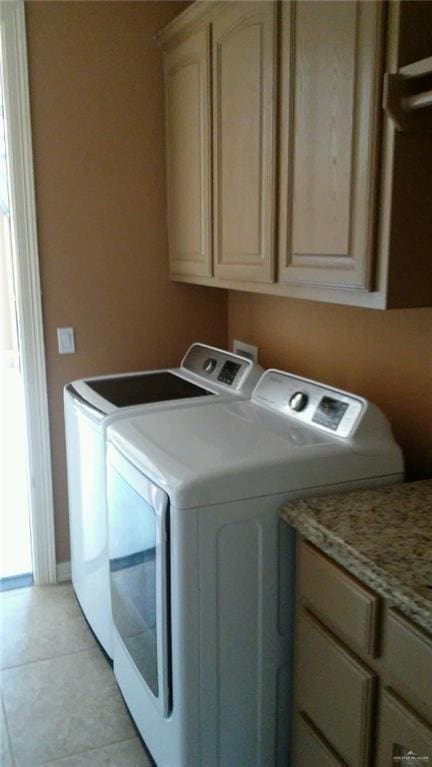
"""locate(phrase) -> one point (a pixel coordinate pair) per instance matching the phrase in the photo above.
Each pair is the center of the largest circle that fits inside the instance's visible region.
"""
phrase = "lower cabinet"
(363, 674)
(335, 690)
(312, 749)
(402, 737)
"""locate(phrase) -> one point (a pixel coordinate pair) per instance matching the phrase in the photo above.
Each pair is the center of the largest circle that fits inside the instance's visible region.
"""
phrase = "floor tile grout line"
(91, 648)
(89, 750)
(8, 735)
(51, 657)
(105, 744)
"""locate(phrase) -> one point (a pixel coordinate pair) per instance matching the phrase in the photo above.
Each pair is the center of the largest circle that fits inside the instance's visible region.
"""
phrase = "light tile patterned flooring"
(60, 704)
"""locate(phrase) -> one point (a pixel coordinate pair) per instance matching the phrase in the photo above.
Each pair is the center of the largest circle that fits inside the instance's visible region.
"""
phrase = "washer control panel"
(318, 406)
(217, 366)
(330, 412)
(229, 372)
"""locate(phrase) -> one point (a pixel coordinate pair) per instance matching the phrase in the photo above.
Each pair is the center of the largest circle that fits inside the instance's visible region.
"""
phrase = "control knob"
(298, 401)
(209, 365)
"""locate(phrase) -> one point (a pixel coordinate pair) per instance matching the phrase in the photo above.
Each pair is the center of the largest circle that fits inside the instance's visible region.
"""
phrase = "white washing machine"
(201, 567)
(205, 374)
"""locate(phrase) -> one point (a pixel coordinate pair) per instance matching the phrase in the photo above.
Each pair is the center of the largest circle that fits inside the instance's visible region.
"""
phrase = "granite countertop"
(382, 536)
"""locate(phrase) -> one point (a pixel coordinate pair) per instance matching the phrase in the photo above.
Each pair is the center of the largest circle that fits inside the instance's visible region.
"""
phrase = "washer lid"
(228, 451)
(204, 371)
(145, 388)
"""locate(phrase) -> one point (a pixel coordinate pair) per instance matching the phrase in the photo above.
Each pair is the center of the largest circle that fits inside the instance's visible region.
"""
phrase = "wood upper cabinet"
(244, 37)
(220, 94)
(330, 91)
(339, 208)
(187, 97)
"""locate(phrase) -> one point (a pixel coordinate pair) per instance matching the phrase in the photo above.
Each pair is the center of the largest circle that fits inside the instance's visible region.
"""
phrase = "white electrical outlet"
(245, 350)
(66, 340)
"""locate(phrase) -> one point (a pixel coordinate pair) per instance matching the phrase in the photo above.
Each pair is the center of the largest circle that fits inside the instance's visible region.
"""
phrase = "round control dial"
(209, 365)
(298, 401)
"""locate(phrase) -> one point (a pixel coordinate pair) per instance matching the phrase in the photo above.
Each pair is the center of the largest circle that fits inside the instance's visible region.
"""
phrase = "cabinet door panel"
(311, 750)
(402, 737)
(334, 690)
(243, 76)
(338, 599)
(330, 103)
(408, 655)
(187, 88)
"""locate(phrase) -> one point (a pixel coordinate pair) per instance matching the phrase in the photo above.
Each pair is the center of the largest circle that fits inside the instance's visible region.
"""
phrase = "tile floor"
(60, 704)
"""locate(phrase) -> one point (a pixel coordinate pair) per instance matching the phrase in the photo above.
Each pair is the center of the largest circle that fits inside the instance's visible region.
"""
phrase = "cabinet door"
(343, 604)
(243, 98)
(187, 89)
(311, 749)
(402, 737)
(334, 690)
(408, 657)
(330, 93)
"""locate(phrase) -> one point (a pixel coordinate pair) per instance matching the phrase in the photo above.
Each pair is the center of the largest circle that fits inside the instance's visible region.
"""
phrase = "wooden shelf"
(408, 96)
(418, 68)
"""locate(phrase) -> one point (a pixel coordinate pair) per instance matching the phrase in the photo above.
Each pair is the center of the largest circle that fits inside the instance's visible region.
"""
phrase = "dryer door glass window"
(137, 512)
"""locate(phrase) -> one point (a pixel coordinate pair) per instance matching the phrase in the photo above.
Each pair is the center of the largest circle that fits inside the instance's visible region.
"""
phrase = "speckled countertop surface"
(382, 536)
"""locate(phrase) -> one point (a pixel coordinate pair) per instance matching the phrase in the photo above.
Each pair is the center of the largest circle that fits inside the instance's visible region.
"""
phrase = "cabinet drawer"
(339, 600)
(334, 690)
(408, 656)
(401, 733)
(310, 749)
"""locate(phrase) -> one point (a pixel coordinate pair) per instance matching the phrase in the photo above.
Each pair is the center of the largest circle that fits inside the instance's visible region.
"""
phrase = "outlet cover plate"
(245, 350)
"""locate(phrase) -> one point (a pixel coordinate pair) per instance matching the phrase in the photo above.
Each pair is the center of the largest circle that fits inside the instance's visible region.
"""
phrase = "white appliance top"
(204, 371)
(293, 434)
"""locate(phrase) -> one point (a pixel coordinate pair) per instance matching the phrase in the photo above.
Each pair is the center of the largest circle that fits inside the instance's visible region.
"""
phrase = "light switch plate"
(66, 340)
(245, 350)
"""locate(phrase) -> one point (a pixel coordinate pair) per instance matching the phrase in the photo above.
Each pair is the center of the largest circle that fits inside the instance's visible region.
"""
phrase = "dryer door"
(139, 564)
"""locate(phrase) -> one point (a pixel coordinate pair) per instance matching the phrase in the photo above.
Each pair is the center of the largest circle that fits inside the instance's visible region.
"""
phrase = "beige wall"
(97, 115)
(384, 356)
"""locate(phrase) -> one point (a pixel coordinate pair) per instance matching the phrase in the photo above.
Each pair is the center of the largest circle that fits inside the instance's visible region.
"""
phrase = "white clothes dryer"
(201, 566)
(205, 374)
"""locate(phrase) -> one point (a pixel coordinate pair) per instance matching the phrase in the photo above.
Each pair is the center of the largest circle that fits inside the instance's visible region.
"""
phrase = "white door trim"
(29, 307)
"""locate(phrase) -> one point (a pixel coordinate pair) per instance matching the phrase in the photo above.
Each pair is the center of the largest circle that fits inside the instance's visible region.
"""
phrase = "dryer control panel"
(314, 404)
(218, 366)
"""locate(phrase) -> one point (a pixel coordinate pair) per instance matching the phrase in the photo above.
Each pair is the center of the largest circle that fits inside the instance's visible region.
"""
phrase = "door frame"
(28, 290)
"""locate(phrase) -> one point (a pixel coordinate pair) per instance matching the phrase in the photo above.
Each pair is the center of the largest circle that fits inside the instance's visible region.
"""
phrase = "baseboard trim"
(63, 572)
(16, 582)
